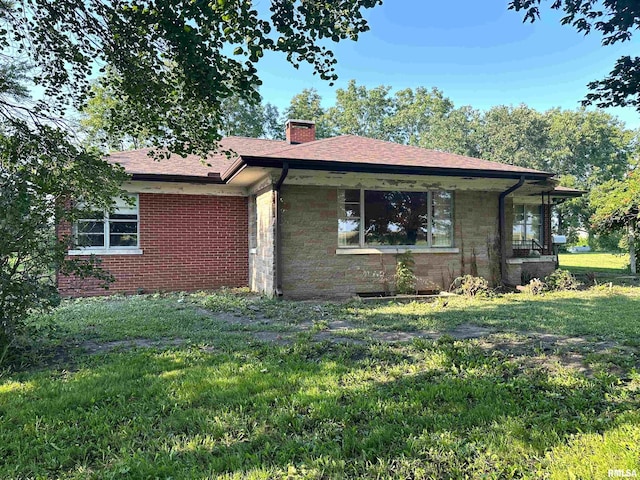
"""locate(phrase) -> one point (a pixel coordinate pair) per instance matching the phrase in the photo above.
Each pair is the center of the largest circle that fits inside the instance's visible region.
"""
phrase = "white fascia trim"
(379, 250)
(111, 251)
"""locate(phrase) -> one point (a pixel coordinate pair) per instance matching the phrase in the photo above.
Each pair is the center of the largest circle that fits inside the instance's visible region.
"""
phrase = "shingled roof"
(138, 162)
(338, 151)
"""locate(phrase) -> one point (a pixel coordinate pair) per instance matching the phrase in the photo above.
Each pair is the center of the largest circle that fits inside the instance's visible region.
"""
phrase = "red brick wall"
(190, 242)
(297, 132)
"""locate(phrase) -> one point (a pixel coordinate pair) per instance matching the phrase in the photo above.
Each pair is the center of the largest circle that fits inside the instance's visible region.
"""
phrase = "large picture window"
(526, 223)
(379, 218)
(105, 231)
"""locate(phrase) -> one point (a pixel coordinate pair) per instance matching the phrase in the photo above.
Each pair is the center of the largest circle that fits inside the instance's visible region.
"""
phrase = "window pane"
(348, 203)
(348, 217)
(519, 231)
(349, 210)
(533, 223)
(92, 215)
(90, 240)
(118, 216)
(124, 208)
(123, 227)
(518, 211)
(442, 219)
(351, 196)
(90, 227)
(123, 240)
(348, 232)
(395, 218)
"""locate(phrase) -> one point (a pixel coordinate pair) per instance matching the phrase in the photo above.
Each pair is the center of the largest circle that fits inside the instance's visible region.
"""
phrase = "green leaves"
(168, 59)
(616, 203)
(40, 171)
(614, 20)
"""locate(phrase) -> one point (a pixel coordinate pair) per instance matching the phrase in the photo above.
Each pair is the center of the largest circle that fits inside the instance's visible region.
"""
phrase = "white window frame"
(365, 249)
(107, 249)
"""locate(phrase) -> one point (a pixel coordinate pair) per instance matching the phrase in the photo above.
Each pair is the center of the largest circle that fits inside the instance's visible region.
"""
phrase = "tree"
(40, 170)
(587, 148)
(100, 120)
(415, 113)
(614, 20)
(593, 146)
(172, 63)
(307, 105)
(273, 122)
(242, 118)
(515, 135)
(362, 111)
(99, 125)
(457, 131)
(617, 208)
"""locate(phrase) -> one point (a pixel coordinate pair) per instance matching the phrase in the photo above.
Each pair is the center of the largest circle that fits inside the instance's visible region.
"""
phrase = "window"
(526, 223)
(105, 231)
(379, 218)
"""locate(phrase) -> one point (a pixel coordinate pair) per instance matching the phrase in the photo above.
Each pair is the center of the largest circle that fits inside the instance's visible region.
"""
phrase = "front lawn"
(593, 262)
(230, 385)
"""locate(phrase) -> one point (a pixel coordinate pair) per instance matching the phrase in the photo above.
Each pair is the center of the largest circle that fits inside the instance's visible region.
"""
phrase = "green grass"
(224, 405)
(599, 263)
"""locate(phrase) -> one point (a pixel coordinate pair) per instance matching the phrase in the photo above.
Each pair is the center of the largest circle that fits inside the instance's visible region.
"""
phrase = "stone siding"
(262, 256)
(521, 272)
(311, 267)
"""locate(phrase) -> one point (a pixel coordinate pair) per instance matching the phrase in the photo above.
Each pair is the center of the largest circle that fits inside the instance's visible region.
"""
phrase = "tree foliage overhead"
(103, 115)
(173, 63)
(617, 203)
(615, 20)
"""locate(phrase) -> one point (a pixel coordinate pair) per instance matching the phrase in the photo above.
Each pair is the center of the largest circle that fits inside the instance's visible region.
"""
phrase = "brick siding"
(189, 242)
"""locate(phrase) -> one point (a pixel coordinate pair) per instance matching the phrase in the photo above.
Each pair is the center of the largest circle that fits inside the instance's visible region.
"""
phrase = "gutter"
(325, 165)
(502, 222)
(278, 186)
(151, 177)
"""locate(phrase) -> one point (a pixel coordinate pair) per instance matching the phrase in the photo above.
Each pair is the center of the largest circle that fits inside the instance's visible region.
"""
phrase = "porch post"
(502, 227)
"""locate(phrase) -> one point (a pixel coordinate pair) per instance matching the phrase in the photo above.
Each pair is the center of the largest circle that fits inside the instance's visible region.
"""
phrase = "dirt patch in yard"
(534, 349)
(94, 348)
(273, 337)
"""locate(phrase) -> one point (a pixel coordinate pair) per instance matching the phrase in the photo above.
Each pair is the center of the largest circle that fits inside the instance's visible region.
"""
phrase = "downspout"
(502, 222)
(278, 186)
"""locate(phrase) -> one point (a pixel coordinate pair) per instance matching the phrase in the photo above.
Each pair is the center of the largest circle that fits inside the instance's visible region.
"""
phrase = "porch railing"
(523, 248)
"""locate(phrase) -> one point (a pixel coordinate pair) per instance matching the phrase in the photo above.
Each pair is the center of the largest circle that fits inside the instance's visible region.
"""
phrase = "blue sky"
(478, 52)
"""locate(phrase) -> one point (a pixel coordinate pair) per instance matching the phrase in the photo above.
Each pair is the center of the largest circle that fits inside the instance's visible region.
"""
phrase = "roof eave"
(157, 177)
(326, 165)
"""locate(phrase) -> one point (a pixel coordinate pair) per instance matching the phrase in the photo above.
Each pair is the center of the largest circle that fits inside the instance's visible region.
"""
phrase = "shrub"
(41, 171)
(405, 276)
(471, 286)
(536, 286)
(561, 280)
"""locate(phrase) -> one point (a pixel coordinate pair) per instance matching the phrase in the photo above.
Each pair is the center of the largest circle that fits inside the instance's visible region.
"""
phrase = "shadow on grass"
(604, 271)
(430, 409)
(606, 315)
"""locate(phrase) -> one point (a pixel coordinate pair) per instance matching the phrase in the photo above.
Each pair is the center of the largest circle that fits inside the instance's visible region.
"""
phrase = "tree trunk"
(632, 247)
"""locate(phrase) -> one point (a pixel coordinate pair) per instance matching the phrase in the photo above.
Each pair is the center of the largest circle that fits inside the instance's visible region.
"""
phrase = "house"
(319, 218)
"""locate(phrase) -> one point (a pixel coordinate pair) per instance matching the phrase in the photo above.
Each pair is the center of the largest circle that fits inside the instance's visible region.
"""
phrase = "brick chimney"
(300, 131)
